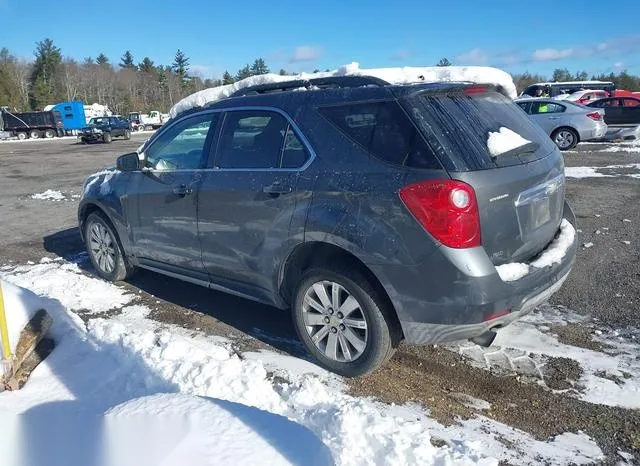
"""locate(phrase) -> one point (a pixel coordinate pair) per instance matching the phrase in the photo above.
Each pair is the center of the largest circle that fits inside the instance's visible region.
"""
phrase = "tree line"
(129, 86)
(125, 86)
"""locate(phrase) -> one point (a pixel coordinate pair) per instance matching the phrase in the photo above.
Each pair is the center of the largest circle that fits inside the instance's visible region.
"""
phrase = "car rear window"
(462, 122)
(385, 131)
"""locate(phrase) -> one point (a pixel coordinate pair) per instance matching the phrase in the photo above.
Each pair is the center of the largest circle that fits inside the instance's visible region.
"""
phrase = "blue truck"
(72, 115)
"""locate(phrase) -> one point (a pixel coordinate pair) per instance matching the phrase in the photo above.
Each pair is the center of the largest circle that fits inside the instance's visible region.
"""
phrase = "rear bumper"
(598, 132)
(442, 301)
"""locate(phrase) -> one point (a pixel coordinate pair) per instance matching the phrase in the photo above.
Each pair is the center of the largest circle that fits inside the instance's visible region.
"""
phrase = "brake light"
(447, 209)
(474, 90)
(595, 116)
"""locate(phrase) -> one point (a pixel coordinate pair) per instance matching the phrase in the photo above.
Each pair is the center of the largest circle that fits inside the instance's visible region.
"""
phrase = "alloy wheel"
(335, 321)
(102, 247)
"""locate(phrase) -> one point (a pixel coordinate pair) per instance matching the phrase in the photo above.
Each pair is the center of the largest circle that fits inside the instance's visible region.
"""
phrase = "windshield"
(462, 125)
(99, 121)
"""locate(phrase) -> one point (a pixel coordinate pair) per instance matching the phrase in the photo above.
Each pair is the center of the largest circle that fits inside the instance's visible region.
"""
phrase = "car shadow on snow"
(263, 322)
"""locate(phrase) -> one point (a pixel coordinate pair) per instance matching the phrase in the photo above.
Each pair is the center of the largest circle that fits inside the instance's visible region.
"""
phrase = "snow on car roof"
(400, 75)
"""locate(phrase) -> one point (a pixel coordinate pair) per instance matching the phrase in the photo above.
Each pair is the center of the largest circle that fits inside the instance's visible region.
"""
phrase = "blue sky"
(303, 35)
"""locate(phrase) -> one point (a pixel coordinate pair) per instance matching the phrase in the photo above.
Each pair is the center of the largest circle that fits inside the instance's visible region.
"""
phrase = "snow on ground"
(504, 140)
(49, 195)
(552, 255)
(631, 170)
(404, 75)
(611, 377)
(141, 372)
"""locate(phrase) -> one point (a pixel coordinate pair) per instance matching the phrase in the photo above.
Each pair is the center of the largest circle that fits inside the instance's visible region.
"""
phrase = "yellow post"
(4, 331)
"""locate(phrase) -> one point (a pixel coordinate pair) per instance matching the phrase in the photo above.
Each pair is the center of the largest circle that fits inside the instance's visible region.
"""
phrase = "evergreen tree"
(283, 72)
(259, 67)
(180, 65)
(102, 60)
(444, 62)
(126, 61)
(244, 72)
(227, 78)
(146, 65)
(561, 75)
(48, 59)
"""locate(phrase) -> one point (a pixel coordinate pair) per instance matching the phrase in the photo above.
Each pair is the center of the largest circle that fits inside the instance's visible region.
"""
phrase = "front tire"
(127, 135)
(565, 138)
(104, 248)
(343, 322)
(106, 138)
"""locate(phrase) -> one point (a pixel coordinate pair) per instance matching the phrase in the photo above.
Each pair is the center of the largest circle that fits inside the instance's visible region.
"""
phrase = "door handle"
(276, 189)
(182, 190)
(554, 118)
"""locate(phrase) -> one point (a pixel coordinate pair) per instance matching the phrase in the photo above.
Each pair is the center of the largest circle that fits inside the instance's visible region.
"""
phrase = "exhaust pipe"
(485, 339)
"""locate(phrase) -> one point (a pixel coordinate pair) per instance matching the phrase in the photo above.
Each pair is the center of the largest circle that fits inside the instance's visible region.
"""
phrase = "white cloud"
(552, 54)
(402, 55)
(618, 64)
(204, 71)
(305, 53)
(475, 56)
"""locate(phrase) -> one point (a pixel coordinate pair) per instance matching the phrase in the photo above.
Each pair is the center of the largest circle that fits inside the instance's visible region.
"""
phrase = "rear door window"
(630, 103)
(259, 139)
(385, 131)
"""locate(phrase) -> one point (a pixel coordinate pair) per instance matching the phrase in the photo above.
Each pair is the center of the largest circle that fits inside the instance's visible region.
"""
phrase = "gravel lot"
(603, 291)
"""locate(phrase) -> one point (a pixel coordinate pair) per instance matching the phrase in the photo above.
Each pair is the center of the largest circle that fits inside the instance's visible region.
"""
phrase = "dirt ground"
(604, 289)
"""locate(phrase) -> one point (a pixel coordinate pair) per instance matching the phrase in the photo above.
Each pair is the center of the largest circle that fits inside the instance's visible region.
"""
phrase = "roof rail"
(326, 83)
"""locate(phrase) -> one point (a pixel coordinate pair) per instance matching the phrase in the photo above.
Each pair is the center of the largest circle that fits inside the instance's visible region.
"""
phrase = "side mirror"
(128, 162)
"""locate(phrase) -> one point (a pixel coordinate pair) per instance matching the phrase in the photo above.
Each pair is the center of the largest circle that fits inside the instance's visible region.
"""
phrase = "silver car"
(567, 123)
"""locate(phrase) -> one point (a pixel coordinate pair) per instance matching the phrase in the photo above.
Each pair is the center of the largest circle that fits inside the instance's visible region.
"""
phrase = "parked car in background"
(554, 89)
(105, 129)
(567, 123)
(143, 121)
(619, 111)
(583, 97)
(374, 212)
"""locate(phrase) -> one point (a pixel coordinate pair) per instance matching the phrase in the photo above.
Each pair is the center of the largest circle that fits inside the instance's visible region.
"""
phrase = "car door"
(248, 198)
(547, 114)
(630, 111)
(613, 112)
(163, 197)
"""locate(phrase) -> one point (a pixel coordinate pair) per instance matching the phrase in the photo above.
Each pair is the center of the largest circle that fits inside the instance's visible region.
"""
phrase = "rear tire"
(352, 331)
(34, 134)
(106, 138)
(22, 136)
(49, 134)
(565, 138)
(104, 248)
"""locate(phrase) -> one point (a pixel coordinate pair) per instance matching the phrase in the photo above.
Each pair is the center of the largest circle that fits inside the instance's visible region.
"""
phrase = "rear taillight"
(447, 209)
(595, 116)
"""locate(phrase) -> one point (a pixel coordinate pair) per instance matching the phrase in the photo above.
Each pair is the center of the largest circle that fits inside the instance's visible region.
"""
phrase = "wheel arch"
(316, 253)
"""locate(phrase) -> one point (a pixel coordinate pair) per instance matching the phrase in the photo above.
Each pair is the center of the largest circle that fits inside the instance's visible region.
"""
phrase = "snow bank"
(180, 430)
(99, 365)
(504, 140)
(146, 376)
(404, 75)
(552, 255)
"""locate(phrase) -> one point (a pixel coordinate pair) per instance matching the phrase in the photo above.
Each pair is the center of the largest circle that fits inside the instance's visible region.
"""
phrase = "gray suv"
(375, 212)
